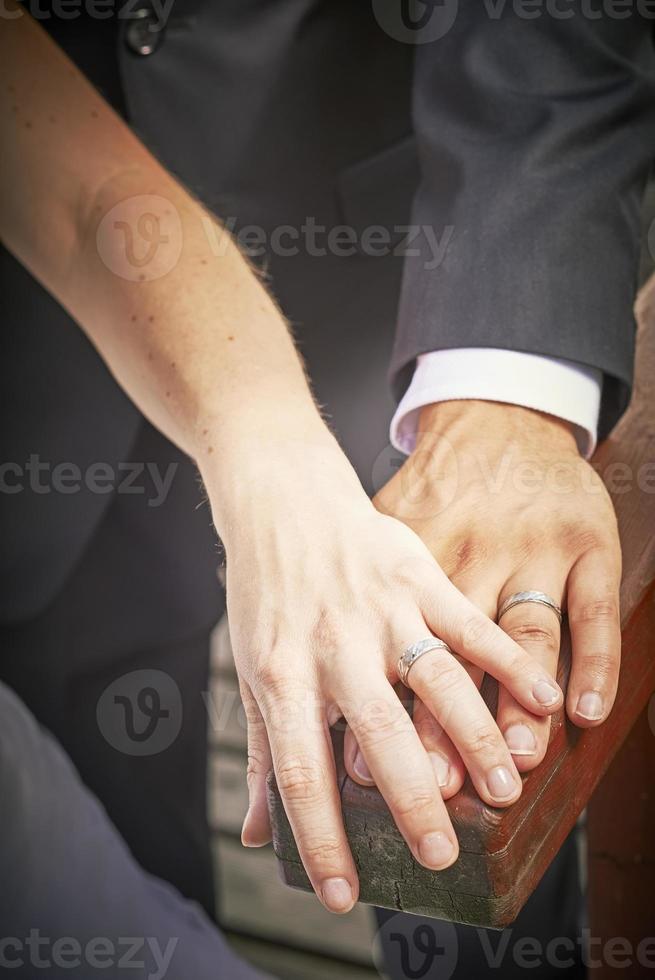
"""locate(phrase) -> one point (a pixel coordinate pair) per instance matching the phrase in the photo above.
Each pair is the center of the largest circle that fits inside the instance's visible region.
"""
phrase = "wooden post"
(621, 854)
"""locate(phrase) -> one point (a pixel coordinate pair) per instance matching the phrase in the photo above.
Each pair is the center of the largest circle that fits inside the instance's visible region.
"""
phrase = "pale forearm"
(195, 340)
(203, 350)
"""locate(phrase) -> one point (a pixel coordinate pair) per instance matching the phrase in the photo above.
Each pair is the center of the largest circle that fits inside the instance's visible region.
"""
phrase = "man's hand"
(504, 502)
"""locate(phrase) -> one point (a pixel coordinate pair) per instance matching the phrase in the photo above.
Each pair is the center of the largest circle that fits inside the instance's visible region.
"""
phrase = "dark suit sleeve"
(535, 138)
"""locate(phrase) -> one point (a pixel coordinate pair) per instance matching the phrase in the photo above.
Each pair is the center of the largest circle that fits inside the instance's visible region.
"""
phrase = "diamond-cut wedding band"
(519, 597)
(415, 651)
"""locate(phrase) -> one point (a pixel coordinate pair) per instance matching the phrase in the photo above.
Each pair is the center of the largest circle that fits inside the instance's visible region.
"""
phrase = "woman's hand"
(324, 594)
(502, 499)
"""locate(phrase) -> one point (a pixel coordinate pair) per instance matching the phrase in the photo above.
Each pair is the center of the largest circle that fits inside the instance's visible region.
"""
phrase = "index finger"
(402, 771)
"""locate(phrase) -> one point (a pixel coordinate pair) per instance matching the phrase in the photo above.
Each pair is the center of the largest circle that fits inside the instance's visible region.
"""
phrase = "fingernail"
(520, 740)
(546, 693)
(337, 894)
(360, 768)
(246, 838)
(501, 783)
(436, 850)
(244, 830)
(590, 706)
(441, 767)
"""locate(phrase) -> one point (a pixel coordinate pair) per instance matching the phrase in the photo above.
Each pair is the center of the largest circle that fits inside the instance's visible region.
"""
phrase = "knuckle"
(600, 539)
(584, 539)
(475, 632)
(601, 663)
(252, 715)
(532, 632)
(300, 779)
(323, 850)
(270, 677)
(428, 728)
(442, 673)
(604, 609)
(381, 728)
(482, 741)
(469, 554)
(258, 762)
(411, 803)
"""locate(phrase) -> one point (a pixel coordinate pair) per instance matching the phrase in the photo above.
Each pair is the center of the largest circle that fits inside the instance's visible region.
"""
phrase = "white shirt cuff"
(561, 388)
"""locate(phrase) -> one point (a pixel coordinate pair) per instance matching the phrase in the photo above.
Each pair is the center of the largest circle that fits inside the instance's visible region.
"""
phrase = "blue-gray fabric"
(67, 875)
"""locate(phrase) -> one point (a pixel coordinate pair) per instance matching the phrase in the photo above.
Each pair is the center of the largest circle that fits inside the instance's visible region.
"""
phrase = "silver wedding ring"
(520, 597)
(416, 651)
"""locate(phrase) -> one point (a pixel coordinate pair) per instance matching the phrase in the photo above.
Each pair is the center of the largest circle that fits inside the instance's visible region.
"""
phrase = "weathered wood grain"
(505, 852)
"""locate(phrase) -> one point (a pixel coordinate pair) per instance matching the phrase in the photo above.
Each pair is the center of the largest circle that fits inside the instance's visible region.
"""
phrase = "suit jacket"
(530, 142)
